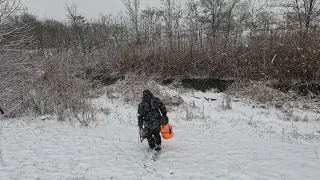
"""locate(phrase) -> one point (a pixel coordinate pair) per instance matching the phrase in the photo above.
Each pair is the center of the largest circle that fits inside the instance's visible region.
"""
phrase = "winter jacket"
(150, 111)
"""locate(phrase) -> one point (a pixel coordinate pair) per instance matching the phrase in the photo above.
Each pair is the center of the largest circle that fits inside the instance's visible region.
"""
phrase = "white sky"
(89, 8)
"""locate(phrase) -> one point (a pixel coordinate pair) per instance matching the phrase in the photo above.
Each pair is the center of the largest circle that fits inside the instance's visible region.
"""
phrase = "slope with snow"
(210, 143)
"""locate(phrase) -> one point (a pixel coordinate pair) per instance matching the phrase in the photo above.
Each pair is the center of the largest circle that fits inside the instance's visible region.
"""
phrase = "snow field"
(210, 143)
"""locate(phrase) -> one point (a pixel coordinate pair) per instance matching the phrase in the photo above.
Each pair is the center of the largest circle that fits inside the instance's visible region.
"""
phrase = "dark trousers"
(153, 137)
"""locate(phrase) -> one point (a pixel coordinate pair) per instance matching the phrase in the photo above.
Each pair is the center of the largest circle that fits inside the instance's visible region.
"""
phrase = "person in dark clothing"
(1, 111)
(150, 110)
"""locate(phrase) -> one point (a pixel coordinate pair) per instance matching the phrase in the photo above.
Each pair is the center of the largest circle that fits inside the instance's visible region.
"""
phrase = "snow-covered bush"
(259, 92)
(130, 89)
(17, 65)
(226, 102)
(58, 91)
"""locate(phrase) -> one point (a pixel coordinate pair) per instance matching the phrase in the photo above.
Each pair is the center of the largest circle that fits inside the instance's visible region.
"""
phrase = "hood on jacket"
(147, 95)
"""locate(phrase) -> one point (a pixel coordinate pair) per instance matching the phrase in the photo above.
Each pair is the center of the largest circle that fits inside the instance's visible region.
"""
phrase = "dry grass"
(130, 90)
(259, 92)
(17, 73)
(57, 91)
(226, 102)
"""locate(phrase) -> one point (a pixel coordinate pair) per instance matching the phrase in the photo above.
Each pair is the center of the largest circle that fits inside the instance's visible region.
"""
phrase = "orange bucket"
(167, 132)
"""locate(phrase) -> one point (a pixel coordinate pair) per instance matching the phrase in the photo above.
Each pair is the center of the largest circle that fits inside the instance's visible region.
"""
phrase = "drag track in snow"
(216, 144)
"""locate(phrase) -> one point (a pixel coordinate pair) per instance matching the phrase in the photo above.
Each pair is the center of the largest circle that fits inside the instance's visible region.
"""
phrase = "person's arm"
(140, 116)
(162, 107)
(1, 111)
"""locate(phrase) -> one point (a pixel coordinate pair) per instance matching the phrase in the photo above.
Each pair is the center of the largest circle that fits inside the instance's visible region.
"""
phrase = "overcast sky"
(89, 8)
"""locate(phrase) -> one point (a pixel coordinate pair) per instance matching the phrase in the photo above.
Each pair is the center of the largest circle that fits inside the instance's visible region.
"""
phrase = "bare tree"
(15, 67)
(230, 15)
(265, 19)
(305, 11)
(78, 23)
(255, 7)
(311, 11)
(13, 35)
(172, 14)
(192, 21)
(192, 17)
(8, 8)
(151, 19)
(213, 12)
(133, 8)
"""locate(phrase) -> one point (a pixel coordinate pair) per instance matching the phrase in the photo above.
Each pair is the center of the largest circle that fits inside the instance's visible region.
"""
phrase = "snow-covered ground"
(210, 143)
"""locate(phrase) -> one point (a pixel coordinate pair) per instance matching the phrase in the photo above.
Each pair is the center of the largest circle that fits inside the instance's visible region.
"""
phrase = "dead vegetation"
(52, 67)
(131, 87)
